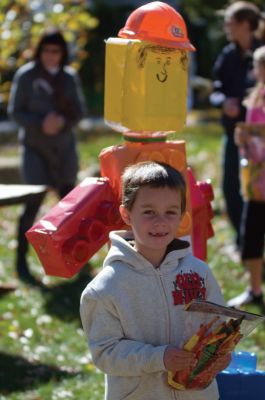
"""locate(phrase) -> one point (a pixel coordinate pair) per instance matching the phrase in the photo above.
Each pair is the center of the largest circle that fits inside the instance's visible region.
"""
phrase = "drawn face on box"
(145, 86)
(161, 62)
(163, 72)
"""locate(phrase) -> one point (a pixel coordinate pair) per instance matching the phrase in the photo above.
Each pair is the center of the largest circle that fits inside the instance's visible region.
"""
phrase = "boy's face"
(154, 219)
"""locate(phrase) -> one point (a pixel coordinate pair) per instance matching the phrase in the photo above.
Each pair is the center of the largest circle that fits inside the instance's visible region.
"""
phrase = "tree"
(23, 21)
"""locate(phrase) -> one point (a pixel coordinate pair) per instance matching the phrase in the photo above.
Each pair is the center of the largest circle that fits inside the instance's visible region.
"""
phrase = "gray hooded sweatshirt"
(132, 311)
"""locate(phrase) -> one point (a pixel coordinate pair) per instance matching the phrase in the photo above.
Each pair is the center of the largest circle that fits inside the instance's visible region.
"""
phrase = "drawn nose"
(162, 76)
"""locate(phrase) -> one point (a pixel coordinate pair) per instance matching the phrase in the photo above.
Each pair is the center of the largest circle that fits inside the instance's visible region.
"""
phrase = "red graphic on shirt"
(188, 286)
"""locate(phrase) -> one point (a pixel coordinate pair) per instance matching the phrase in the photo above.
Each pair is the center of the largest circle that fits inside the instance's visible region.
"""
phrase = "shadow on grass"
(19, 374)
(63, 300)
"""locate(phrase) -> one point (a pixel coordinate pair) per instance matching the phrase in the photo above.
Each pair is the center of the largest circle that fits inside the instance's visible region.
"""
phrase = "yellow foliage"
(21, 30)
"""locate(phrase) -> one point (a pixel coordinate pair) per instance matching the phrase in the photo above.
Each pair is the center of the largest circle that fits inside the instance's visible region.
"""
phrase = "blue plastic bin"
(241, 380)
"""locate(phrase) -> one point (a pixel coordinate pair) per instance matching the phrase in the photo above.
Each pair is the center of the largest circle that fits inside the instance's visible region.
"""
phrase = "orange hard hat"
(159, 23)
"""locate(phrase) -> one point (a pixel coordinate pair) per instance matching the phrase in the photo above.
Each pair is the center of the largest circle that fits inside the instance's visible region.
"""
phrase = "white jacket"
(131, 312)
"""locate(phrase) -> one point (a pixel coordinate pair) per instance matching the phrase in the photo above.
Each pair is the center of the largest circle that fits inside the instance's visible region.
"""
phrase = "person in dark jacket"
(47, 103)
(233, 76)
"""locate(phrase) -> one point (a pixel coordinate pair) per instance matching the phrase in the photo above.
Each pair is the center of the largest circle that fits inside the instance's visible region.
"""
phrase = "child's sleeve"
(111, 351)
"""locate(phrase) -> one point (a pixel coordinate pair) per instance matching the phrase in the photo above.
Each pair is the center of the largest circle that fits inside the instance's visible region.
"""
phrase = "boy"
(133, 311)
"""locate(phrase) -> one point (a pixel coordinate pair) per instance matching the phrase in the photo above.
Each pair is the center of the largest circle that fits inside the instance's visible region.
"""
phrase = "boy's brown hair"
(153, 174)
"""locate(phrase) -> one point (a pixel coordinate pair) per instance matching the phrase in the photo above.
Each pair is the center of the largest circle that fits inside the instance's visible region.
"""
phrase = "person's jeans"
(26, 221)
(231, 184)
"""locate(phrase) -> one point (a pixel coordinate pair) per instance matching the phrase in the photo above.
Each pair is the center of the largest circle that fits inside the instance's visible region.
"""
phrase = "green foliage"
(43, 351)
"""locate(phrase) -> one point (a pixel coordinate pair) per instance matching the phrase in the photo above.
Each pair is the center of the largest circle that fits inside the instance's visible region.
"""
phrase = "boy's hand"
(177, 360)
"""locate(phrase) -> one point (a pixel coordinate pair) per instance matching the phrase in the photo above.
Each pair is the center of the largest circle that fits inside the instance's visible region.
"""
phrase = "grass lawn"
(43, 351)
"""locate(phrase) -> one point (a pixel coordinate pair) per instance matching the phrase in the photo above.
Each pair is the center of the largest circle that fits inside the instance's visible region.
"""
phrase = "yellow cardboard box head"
(145, 86)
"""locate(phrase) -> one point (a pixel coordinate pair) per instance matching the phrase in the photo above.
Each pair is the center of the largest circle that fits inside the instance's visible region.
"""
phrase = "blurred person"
(47, 103)
(253, 217)
(233, 75)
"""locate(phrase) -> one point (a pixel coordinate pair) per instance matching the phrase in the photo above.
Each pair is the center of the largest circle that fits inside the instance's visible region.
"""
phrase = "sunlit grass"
(42, 346)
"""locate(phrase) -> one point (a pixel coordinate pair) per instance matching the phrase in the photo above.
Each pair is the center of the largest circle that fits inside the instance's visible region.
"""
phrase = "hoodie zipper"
(159, 273)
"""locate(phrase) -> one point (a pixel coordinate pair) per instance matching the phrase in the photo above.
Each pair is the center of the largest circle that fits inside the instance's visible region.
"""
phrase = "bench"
(11, 194)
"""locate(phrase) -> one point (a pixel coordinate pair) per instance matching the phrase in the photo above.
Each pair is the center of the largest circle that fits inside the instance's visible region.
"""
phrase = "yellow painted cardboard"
(145, 86)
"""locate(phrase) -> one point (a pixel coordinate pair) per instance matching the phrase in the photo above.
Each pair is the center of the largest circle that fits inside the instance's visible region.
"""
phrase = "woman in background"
(47, 103)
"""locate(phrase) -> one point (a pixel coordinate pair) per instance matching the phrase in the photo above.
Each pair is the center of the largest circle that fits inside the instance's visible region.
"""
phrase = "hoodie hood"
(122, 250)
